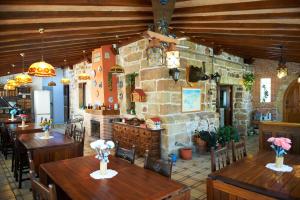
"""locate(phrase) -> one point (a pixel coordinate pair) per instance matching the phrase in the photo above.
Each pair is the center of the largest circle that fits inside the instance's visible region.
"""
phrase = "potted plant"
(201, 145)
(186, 153)
(226, 134)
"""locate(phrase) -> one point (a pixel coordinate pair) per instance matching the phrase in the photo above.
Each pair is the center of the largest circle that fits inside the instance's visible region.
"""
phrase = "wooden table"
(57, 148)
(73, 181)
(250, 179)
(30, 128)
(7, 121)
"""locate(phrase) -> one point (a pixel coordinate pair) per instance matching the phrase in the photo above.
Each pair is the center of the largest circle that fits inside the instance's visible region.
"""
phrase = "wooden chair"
(162, 167)
(7, 142)
(40, 191)
(219, 158)
(183, 194)
(70, 128)
(78, 136)
(21, 163)
(239, 150)
(127, 154)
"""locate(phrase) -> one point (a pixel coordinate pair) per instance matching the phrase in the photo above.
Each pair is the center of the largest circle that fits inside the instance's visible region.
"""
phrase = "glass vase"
(12, 117)
(103, 167)
(23, 123)
(279, 161)
(46, 133)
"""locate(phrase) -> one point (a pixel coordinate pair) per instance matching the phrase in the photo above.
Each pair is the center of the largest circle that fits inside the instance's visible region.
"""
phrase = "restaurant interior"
(149, 99)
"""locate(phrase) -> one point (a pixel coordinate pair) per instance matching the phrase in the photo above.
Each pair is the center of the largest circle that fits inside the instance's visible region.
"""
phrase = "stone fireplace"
(95, 128)
(103, 122)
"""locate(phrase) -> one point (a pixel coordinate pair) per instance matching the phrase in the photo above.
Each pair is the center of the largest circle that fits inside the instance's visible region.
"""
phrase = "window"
(265, 90)
(82, 94)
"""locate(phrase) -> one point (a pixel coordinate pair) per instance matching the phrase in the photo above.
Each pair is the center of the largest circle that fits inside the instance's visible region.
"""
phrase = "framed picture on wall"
(191, 99)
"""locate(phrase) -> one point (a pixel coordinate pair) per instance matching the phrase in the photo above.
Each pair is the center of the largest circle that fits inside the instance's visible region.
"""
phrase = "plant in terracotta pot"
(201, 145)
(185, 152)
(210, 138)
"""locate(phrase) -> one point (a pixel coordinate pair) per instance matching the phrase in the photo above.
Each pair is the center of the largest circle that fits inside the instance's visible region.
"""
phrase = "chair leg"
(20, 173)
(13, 160)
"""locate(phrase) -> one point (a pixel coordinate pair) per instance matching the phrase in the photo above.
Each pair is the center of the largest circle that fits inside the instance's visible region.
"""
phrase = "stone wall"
(267, 69)
(164, 95)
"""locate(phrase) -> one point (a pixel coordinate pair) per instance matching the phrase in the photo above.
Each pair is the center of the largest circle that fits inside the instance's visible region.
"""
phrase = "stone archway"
(285, 83)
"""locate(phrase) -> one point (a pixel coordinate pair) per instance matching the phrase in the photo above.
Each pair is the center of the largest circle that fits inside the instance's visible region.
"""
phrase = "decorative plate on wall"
(110, 99)
(100, 84)
(120, 95)
(95, 83)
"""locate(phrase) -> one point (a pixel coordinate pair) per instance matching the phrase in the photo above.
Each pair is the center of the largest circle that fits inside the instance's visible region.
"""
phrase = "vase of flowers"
(23, 118)
(280, 145)
(13, 112)
(103, 148)
(46, 125)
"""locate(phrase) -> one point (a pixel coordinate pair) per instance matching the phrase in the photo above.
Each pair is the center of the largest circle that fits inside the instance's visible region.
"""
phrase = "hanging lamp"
(51, 84)
(116, 69)
(9, 87)
(11, 81)
(65, 80)
(41, 69)
(23, 79)
(172, 57)
(282, 70)
(84, 76)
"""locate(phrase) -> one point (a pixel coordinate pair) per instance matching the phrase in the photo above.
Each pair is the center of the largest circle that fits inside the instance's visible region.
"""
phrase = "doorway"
(225, 104)
(66, 103)
(291, 103)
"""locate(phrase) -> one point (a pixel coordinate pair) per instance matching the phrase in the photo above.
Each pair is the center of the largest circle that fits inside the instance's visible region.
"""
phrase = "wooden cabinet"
(143, 138)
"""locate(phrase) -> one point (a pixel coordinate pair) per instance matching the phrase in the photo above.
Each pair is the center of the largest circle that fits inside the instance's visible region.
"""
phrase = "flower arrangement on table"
(102, 149)
(13, 112)
(46, 125)
(23, 118)
(280, 145)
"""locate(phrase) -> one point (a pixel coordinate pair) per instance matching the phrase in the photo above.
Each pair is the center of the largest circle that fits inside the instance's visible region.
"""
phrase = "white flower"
(110, 144)
(97, 144)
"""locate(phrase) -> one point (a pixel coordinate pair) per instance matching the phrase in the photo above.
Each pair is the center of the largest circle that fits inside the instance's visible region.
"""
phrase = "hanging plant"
(248, 80)
(130, 80)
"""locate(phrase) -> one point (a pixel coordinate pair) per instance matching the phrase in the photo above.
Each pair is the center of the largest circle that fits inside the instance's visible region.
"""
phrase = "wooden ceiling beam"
(63, 40)
(241, 6)
(54, 45)
(237, 26)
(71, 14)
(72, 33)
(130, 3)
(261, 32)
(239, 17)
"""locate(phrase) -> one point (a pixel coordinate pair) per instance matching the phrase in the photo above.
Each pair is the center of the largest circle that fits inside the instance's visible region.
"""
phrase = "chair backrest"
(219, 158)
(160, 166)
(78, 136)
(40, 191)
(70, 128)
(127, 154)
(239, 150)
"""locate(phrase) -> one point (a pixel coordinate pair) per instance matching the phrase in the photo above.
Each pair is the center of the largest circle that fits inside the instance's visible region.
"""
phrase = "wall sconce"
(298, 79)
(282, 70)
(216, 77)
(172, 57)
(155, 53)
(174, 72)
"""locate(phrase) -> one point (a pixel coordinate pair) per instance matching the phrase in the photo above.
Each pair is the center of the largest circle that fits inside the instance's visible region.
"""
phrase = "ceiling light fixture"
(51, 84)
(84, 76)
(23, 78)
(65, 80)
(282, 70)
(41, 69)
(116, 69)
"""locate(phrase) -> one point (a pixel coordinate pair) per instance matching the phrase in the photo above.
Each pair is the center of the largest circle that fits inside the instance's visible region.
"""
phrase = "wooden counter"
(102, 112)
(279, 129)
(143, 138)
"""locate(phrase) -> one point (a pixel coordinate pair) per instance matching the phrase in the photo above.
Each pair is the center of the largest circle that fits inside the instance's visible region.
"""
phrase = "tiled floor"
(192, 173)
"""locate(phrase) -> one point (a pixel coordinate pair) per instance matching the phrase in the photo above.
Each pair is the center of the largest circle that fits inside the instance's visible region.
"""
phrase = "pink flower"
(287, 140)
(286, 146)
(277, 142)
(271, 139)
